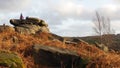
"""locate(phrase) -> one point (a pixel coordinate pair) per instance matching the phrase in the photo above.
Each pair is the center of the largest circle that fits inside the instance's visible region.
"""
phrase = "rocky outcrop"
(10, 60)
(102, 47)
(55, 57)
(29, 25)
(75, 41)
(30, 29)
(57, 37)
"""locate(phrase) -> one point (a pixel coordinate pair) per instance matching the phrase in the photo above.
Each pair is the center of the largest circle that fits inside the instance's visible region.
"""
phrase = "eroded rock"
(57, 57)
(102, 47)
(30, 25)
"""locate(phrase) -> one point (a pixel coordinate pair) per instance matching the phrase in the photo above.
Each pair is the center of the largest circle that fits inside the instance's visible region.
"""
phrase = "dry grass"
(98, 58)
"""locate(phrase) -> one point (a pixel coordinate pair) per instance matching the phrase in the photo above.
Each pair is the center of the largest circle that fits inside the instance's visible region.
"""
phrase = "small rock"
(15, 39)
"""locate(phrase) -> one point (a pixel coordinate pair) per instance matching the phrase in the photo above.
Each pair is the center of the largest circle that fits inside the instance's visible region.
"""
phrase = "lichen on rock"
(10, 59)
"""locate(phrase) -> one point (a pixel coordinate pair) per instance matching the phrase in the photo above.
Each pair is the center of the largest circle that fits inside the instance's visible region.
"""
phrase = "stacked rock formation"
(30, 25)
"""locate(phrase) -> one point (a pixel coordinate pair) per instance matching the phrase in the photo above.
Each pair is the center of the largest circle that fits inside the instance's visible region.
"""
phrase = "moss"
(11, 60)
(83, 62)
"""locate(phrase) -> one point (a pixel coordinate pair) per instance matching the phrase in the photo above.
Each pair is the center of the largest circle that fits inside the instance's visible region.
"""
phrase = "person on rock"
(21, 17)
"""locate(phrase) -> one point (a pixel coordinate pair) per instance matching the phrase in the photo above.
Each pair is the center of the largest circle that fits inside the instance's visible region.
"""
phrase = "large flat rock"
(57, 57)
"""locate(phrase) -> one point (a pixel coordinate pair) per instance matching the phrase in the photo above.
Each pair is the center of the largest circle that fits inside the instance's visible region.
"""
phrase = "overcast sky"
(64, 17)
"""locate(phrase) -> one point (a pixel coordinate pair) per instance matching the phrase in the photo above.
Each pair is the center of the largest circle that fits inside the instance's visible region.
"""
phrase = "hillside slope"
(23, 43)
(115, 45)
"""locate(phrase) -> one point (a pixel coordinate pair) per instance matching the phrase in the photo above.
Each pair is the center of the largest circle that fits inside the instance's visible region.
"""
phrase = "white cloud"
(110, 10)
(69, 8)
(111, 7)
(72, 27)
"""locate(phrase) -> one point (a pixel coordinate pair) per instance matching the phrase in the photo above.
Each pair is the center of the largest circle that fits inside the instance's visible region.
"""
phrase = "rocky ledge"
(30, 25)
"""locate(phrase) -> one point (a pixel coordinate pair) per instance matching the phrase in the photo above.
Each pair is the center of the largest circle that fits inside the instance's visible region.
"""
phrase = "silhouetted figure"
(4, 25)
(21, 17)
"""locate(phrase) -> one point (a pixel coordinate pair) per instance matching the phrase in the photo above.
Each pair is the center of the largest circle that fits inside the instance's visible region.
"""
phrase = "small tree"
(102, 27)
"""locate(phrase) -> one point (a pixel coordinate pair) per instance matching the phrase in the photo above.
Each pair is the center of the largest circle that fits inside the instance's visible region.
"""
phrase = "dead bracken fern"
(22, 44)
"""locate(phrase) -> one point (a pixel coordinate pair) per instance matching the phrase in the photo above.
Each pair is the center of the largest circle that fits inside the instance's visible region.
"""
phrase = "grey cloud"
(52, 12)
(62, 9)
(12, 5)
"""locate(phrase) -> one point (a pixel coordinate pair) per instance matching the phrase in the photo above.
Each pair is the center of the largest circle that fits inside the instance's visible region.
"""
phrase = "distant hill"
(92, 39)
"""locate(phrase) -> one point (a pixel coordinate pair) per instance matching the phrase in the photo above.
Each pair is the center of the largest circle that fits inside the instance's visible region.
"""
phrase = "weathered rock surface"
(10, 60)
(30, 29)
(57, 57)
(28, 20)
(57, 37)
(30, 25)
(102, 47)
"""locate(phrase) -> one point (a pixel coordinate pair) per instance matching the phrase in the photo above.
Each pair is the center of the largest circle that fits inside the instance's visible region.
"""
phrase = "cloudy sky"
(64, 17)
